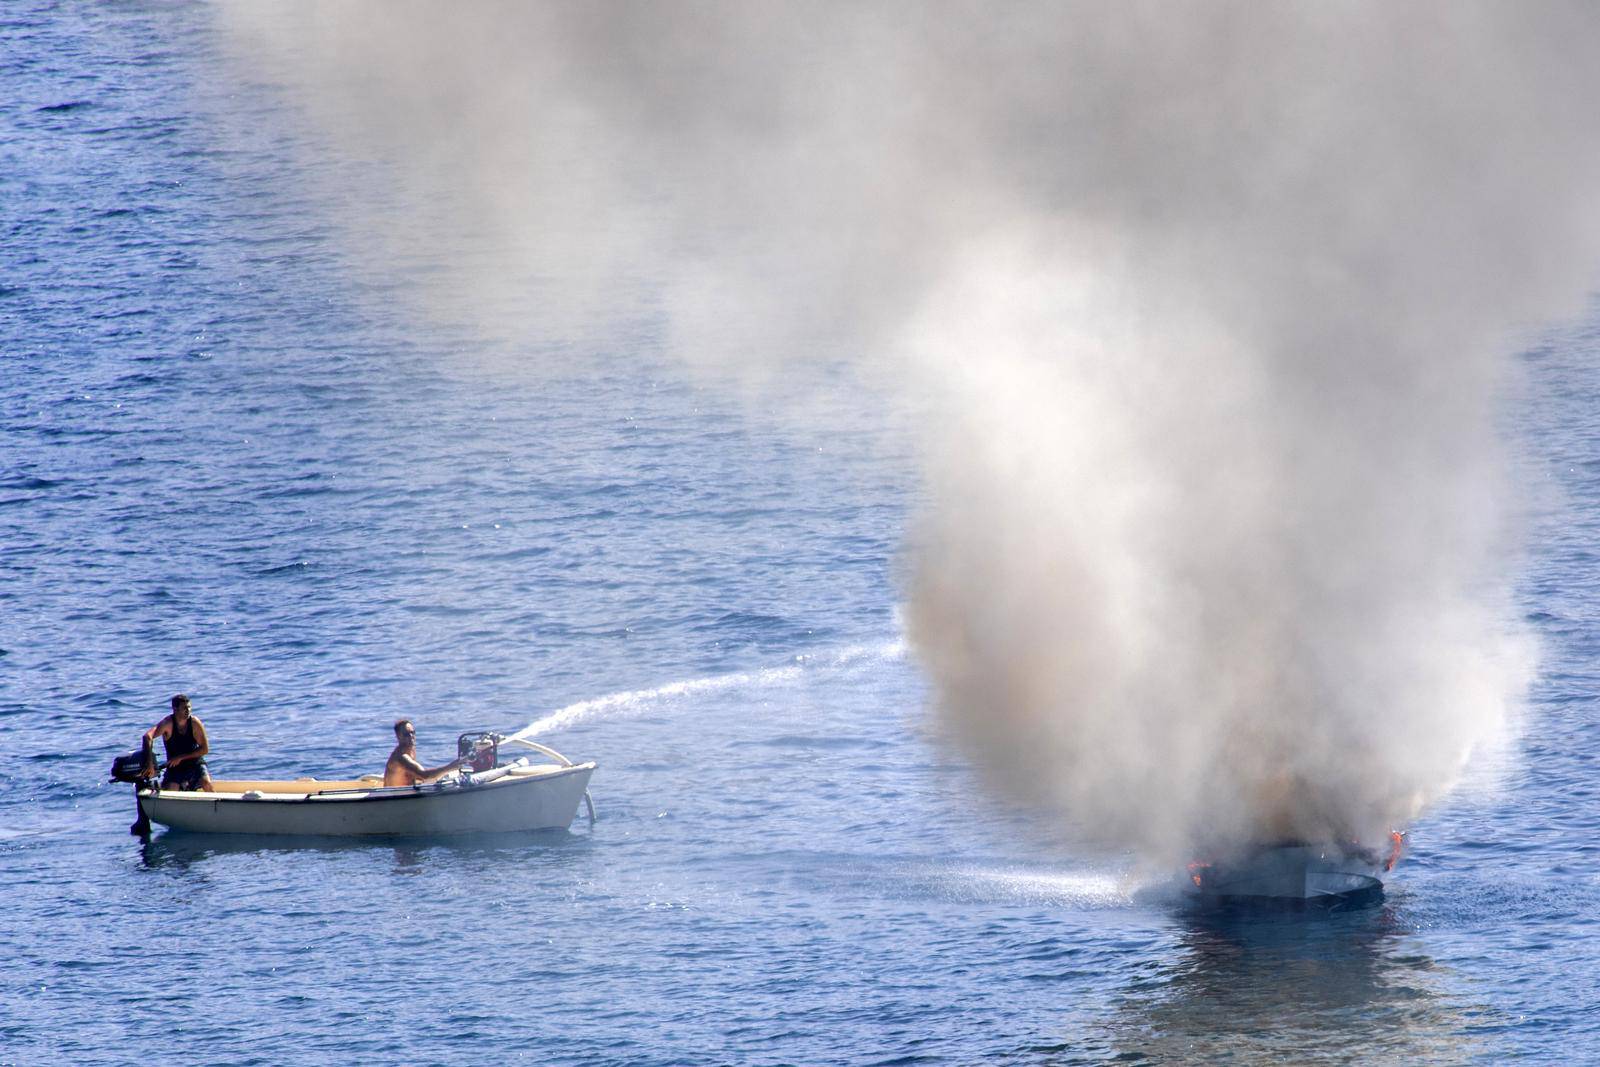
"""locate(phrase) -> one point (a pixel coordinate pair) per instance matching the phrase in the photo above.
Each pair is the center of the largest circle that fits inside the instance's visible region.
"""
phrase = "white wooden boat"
(520, 795)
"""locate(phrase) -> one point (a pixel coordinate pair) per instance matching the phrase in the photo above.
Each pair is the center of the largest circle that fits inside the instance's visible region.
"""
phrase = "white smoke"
(1209, 307)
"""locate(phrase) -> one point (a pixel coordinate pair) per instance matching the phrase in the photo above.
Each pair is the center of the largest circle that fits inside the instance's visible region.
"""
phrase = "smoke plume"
(1208, 309)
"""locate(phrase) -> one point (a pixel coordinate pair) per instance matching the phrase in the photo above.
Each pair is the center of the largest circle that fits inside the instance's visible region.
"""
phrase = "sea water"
(228, 467)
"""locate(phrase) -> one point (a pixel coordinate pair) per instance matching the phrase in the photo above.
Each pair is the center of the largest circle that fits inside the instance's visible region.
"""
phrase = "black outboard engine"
(131, 769)
(479, 748)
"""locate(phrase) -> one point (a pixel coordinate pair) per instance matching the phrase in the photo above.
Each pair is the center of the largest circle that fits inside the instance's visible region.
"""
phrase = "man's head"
(180, 706)
(404, 732)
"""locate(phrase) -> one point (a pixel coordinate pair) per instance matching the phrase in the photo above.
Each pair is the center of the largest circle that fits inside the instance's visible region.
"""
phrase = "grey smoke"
(1208, 308)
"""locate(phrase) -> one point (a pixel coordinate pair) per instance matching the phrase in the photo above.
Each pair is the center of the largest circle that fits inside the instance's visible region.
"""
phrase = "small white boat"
(499, 798)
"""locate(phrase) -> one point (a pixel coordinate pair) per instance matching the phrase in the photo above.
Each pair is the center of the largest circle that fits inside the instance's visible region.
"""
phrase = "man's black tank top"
(181, 742)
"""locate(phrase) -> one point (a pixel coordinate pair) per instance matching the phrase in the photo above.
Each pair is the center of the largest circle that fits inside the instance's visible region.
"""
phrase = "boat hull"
(539, 799)
(1309, 874)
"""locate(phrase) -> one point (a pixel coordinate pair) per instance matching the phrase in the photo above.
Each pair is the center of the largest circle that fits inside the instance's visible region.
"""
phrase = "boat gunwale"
(424, 791)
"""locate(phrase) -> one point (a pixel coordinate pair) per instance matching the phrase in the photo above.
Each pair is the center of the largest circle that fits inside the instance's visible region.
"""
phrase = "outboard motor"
(131, 769)
(480, 749)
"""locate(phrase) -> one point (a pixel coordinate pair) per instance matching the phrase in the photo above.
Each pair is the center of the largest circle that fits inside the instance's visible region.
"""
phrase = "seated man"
(403, 768)
(185, 739)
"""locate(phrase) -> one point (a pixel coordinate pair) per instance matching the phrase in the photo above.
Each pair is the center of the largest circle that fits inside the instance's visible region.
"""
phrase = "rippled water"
(227, 467)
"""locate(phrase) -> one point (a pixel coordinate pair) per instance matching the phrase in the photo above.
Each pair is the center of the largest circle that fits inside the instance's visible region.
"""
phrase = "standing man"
(403, 768)
(187, 746)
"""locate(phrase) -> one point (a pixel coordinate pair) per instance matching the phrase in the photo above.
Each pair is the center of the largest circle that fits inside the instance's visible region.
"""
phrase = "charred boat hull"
(1293, 874)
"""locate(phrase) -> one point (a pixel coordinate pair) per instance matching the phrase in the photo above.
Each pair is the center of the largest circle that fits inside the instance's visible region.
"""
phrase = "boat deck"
(301, 786)
(344, 788)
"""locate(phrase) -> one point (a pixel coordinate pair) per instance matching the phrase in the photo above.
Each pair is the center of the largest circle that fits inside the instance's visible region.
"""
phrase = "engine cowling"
(129, 768)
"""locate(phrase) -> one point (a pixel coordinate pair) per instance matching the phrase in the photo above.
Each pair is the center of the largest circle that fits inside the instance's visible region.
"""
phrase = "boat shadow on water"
(180, 851)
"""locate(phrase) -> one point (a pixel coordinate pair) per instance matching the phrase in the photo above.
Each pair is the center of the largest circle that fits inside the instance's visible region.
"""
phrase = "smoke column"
(1207, 309)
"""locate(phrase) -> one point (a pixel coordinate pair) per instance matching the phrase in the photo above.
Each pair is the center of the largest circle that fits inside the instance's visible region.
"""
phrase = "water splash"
(635, 702)
(1017, 885)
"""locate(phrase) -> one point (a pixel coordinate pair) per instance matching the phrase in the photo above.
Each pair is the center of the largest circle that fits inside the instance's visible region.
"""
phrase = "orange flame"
(1398, 839)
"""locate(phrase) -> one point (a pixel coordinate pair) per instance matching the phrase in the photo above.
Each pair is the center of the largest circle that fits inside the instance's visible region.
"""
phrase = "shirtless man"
(185, 739)
(403, 768)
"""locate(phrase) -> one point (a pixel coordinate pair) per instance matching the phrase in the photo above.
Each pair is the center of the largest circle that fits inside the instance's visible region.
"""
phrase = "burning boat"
(1295, 873)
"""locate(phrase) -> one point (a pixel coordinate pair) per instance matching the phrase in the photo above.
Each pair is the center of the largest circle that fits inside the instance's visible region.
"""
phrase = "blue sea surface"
(230, 466)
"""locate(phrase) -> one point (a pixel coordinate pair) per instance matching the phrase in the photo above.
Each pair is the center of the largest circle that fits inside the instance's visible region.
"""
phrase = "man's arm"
(428, 773)
(160, 729)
